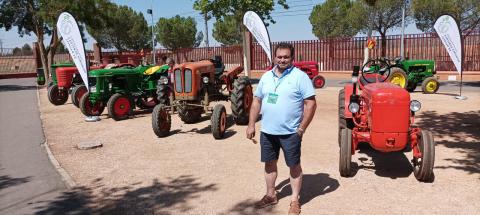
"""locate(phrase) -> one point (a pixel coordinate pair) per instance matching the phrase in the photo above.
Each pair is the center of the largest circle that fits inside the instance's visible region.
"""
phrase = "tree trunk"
(384, 44)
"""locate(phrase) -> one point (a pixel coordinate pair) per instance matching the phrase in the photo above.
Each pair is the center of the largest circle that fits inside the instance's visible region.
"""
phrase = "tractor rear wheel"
(345, 152)
(161, 121)
(398, 77)
(190, 116)
(241, 100)
(163, 94)
(57, 96)
(423, 166)
(119, 107)
(318, 81)
(219, 121)
(89, 109)
(77, 93)
(430, 85)
(411, 86)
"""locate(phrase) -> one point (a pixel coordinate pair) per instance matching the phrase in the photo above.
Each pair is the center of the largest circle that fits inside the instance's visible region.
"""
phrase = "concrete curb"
(66, 178)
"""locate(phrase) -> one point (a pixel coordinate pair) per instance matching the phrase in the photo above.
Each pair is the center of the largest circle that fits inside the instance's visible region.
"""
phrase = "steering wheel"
(378, 68)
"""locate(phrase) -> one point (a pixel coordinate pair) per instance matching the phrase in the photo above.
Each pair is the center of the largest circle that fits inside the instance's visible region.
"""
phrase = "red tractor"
(365, 116)
(311, 68)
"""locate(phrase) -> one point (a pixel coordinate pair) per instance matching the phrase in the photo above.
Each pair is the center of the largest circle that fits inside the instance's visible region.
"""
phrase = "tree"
(122, 28)
(334, 18)
(40, 16)
(467, 12)
(177, 32)
(17, 51)
(26, 49)
(201, 6)
(226, 32)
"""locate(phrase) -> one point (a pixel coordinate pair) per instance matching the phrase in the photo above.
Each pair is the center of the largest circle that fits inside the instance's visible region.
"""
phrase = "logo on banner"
(444, 25)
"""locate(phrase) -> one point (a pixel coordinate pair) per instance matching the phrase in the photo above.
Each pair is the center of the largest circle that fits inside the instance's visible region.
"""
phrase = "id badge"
(272, 98)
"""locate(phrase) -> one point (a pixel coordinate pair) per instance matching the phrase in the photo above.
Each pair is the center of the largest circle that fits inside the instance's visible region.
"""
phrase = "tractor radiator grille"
(183, 81)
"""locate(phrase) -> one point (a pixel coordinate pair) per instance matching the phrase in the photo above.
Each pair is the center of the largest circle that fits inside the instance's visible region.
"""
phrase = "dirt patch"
(189, 172)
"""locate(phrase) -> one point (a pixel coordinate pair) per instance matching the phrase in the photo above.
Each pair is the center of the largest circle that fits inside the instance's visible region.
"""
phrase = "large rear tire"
(398, 77)
(89, 109)
(190, 116)
(219, 121)
(77, 93)
(430, 85)
(423, 167)
(56, 95)
(119, 107)
(241, 100)
(318, 81)
(161, 121)
(345, 152)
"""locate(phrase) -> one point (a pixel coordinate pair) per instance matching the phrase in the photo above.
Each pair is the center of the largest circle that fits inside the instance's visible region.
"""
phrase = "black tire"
(241, 100)
(345, 152)
(119, 107)
(89, 109)
(57, 96)
(161, 121)
(430, 85)
(342, 122)
(77, 93)
(318, 81)
(423, 168)
(190, 116)
(400, 73)
(163, 93)
(219, 121)
(411, 86)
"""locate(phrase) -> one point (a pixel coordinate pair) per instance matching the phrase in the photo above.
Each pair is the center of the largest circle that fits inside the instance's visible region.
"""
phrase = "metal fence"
(15, 61)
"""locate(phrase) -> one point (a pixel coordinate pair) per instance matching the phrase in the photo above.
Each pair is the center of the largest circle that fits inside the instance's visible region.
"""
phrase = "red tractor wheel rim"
(223, 120)
(93, 110)
(163, 119)
(319, 82)
(80, 92)
(247, 99)
(121, 106)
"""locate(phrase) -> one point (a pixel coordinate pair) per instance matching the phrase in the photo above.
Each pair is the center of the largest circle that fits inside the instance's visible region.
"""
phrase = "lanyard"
(280, 78)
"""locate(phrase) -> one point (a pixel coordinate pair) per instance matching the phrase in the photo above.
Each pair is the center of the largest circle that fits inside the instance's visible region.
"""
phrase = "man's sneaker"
(294, 208)
(266, 201)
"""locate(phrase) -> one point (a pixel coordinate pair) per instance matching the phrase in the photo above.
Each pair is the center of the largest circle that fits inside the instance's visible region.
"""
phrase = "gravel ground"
(189, 172)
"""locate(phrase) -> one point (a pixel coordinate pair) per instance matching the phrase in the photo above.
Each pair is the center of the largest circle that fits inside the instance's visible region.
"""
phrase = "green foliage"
(122, 28)
(225, 31)
(467, 12)
(334, 18)
(26, 49)
(177, 32)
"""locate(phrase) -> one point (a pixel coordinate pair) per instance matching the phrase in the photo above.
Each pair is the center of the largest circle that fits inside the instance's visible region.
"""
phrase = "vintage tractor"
(311, 68)
(121, 89)
(406, 73)
(195, 85)
(381, 114)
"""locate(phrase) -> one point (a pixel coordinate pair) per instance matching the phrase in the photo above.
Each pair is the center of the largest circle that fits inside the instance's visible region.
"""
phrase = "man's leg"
(296, 181)
(271, 176)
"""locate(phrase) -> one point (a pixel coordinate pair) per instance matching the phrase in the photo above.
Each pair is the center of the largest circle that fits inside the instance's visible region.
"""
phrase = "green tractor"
(121, 90)
(407, 73)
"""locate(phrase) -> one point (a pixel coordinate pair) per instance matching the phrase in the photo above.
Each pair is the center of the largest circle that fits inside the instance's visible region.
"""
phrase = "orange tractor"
(194, 86)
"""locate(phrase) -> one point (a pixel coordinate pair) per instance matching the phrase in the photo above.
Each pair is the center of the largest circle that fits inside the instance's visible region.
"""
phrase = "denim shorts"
(290, 143)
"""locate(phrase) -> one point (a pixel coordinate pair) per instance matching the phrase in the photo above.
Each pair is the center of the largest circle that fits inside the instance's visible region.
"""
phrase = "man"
(286, 98)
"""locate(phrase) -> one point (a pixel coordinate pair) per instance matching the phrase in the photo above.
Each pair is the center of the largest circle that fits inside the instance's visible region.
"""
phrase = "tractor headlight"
(415, 105)
(205, 80)
(353, 107)
(93, 89)
(163, 80)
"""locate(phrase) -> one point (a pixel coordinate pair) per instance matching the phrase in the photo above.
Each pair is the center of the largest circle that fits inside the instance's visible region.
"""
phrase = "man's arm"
(310, 105)
(254, 112)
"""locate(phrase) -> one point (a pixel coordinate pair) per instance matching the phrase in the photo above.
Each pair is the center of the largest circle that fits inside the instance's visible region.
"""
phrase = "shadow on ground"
(7, 181)
(5, 88)
(158, 198)
(208, 129)
(390, 165)
(461, 131)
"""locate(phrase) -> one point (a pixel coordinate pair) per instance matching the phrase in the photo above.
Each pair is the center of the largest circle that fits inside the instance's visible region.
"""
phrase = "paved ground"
(28, 181)
(189, 172)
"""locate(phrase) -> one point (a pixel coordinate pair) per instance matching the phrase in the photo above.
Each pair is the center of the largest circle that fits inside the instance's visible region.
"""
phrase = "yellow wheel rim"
(431, 86)
(399, 80)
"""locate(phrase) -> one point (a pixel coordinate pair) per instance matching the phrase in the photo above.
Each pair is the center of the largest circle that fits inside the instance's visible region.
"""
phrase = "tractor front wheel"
(342, 122)
(89, 109)
(398, 77)
(423, 166)
(161, 121)
(163, 94)
(77, 93)
(430, 85)
(119, 107)
(219, 121)
(57, 96)
(318, 81)
(241, 100)
(345, 152)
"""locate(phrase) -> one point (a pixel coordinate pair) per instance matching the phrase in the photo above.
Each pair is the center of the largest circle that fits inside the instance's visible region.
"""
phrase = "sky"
(291, 24)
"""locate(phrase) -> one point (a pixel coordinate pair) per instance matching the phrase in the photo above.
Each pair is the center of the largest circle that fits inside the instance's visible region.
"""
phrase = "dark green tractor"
(406, 73)
(121, 90)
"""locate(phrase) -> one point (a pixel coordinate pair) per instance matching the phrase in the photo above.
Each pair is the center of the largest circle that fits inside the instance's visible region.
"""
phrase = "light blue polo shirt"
(291, 89)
